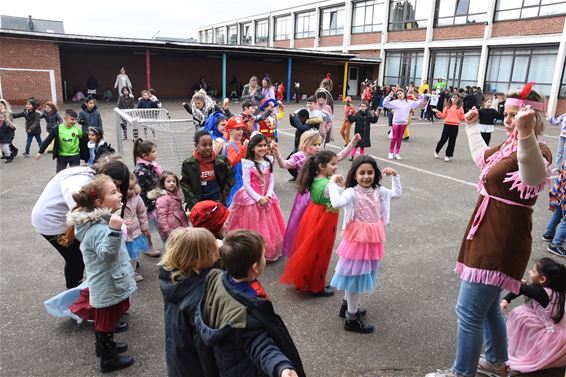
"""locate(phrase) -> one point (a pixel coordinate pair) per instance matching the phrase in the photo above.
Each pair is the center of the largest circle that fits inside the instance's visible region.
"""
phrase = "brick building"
(51, 66)
(495, 44)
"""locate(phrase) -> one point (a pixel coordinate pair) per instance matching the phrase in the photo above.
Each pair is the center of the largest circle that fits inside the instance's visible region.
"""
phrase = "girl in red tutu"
(312, 248)
(361, 249)
(255, 205)
(536, 331)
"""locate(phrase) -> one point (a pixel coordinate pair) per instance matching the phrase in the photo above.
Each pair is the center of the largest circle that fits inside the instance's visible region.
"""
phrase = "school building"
(49, 64)
(494, 44)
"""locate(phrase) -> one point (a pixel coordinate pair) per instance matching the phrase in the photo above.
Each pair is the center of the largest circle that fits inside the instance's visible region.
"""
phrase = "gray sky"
(142, 18)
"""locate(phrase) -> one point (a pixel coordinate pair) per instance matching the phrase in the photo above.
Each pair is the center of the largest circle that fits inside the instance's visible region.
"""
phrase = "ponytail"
(310, 169)
(555, 274)
(142, 147)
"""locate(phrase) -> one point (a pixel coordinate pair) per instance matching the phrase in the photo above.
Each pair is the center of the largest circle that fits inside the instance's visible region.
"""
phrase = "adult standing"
(49, 213)
(252, 91)
(122, 80)
(512, 175)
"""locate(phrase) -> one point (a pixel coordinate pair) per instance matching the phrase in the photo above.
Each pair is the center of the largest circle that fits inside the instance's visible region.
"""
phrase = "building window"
(367, 16)
(509, 69)
(332, 21)
(562, 93)
(305, 25)
(246, 34)
(233, 34)
(261, 31)
(516, 9)
(221, 35)
(409, 14)
(208, 36)
(282, 28)
(403, 67)
(458, 68)
(460, 12)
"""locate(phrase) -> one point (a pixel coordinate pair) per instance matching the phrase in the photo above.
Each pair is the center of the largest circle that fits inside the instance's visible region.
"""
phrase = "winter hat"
(266, 103)
(210, 215)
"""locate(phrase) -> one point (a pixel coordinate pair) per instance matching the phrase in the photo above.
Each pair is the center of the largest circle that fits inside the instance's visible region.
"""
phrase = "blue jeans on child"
(479, 315)
(560, 152)
(29, 140)
(556, 226)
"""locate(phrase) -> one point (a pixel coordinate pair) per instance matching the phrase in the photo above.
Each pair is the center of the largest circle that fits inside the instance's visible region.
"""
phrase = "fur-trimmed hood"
(83, 220)
(156, 193)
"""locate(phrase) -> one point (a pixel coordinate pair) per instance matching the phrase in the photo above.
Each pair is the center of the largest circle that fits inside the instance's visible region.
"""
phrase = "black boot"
(344, 307)
(110, 360)
(357, 324)
(121, 347)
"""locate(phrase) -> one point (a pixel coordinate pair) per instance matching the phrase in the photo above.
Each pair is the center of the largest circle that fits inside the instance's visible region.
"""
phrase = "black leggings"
(74, 265)
(449, 133)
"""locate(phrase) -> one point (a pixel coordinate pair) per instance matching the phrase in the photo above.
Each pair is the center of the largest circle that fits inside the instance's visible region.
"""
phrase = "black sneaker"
(358, 325)
(344, 307)
(556, 250)
(548, 237)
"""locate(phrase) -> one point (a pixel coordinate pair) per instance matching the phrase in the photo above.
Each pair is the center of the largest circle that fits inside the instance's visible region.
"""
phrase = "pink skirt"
(267, 221)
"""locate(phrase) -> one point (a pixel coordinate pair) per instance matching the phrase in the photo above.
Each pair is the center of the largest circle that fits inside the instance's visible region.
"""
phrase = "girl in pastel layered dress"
(309, 145)
(255, 205)
(367, 206)
(536, 331)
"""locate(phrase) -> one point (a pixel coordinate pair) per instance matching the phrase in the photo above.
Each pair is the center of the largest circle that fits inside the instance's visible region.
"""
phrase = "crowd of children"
(219, 319)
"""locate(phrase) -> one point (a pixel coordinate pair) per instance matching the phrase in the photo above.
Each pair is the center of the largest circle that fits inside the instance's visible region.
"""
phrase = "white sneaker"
(435, 155)
(390, 156)
(398, 157)
(447, 159)
(441, 373)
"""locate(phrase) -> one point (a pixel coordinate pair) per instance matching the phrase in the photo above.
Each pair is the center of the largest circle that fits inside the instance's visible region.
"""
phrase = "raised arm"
(475, 141)
(338, 196)
(348, 148)
(532, 165)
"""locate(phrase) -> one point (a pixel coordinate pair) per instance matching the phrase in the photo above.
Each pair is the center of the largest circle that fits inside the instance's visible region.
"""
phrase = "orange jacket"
(452, 115)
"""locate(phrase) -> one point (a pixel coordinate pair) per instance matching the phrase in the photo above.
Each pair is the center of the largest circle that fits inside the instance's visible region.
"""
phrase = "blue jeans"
(29, 140)
(560, 152)
(479, 316)
(557, 226)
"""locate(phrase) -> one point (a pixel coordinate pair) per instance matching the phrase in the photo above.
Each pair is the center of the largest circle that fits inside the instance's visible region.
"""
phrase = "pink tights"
(397, 138)
(362, 151)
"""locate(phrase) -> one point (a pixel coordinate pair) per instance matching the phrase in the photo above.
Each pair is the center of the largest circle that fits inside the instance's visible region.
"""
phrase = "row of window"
(367, 17)
(507, 68)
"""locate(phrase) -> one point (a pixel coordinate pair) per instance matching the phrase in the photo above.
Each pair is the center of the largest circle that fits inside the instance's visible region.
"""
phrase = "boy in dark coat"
(89, 115)
(33, 123)
(236, 318)
(363, 119)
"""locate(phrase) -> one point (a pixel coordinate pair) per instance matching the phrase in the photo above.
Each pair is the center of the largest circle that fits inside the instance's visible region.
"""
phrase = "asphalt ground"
(412, 307)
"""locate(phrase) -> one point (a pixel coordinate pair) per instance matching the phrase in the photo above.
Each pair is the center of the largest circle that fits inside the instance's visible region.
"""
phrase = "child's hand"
(525, 120)
(389, 172)
(357, 137)
(472, 116)
(274, 145)
(289, 373)
(246, 142)
(184, 104)
(115, 222)
(263, 200)
(504, 305)
(338, 179)
(38, 156)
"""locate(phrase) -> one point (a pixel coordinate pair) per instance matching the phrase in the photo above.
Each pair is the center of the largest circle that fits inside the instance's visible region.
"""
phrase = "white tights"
(353, 299)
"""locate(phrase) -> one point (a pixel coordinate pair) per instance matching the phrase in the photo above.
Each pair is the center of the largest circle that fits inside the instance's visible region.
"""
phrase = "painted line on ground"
(393, 162)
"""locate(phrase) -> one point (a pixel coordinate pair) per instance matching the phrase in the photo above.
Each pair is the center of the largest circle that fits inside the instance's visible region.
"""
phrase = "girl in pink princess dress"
(255, 205)
(360, 252)
(536, 331)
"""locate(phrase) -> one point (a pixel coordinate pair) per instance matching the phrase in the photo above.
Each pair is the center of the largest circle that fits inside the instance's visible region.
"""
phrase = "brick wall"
(407, 35)
(304, 43)
(541, 25)
(334, 40)
(560, 107)
(282, 44)
(365, 38)
(366, 53)
(459, 32)
(17, 86)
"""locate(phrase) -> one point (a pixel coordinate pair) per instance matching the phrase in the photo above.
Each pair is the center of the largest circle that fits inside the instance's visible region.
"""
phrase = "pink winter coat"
(170, 214)
(135, 211)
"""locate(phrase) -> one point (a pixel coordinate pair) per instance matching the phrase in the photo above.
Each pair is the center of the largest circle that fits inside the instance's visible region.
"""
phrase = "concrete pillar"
(252, 30)
(383, 42)
(347, 36)
(223, 75)
(482, 69)
(270, 30)
(292, 36)
(317, 29)
(556, 78)
(428, 39)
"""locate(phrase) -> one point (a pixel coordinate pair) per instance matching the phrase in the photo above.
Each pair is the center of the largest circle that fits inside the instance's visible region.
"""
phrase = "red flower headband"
(522, 100)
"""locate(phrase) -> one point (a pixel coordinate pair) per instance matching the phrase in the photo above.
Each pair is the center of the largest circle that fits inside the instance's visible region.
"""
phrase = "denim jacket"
(107, 264)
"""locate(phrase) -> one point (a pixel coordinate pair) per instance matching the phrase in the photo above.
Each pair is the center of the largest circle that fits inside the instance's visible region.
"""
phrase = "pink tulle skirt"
(300, 204)
(533, 346)
(268, 221)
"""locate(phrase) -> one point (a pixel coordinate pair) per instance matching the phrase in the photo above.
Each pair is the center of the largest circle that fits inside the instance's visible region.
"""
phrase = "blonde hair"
(309, 138)
(540, 119)
(189, 250)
